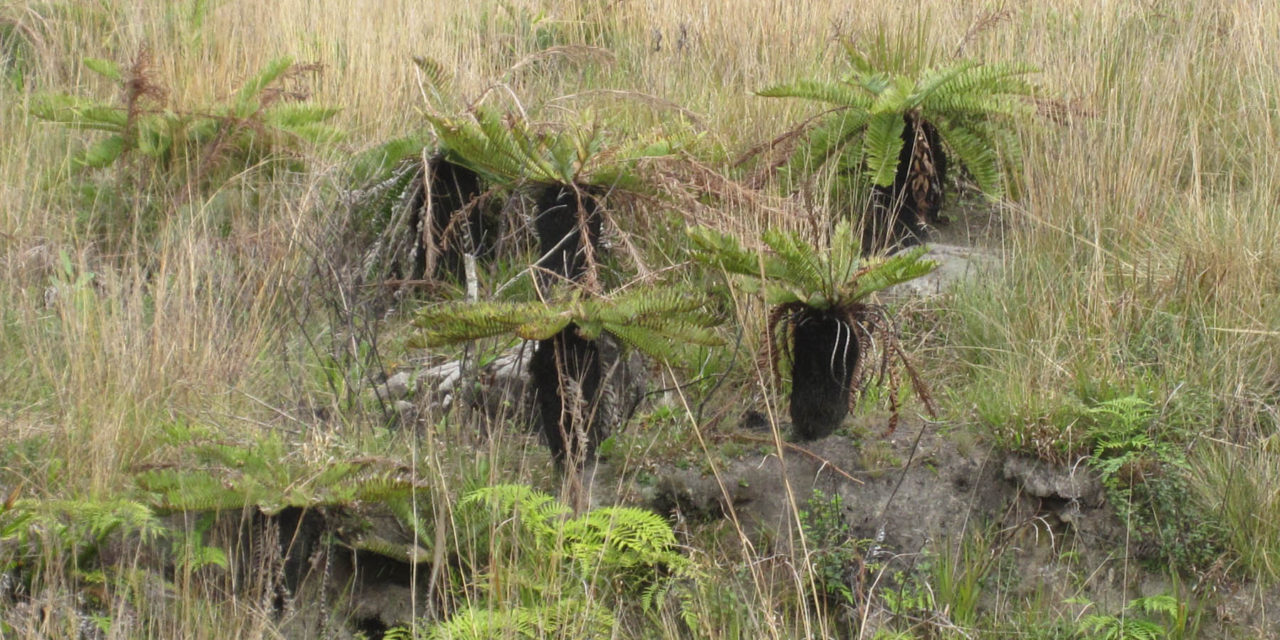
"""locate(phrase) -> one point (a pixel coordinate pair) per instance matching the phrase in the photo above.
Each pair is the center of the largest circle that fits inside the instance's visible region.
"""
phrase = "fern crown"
(660, 322)
(509, 151)
(795, 271)
(969, 103)
(260, 115)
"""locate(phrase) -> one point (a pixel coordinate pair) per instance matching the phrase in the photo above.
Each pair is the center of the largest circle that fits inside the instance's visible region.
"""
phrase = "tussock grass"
(1140, 256)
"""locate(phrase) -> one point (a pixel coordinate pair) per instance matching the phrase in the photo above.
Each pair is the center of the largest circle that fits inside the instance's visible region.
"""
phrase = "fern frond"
(838, 93)
(882, 145)
(457, 322)
(249, 97)
(656, 321)
(976, 152)
(78, 113)
(895, 269)
(806, 272)
(936, 80)
(834, 279)
(825, 141)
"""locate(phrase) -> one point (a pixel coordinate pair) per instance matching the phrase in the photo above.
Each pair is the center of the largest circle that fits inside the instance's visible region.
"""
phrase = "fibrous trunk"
(451, 223)
(902, 213)
(566, 376)
(561, 213)
(825, 353)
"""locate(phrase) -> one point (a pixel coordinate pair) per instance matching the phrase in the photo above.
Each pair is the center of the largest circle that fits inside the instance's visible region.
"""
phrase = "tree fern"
(821, 318)
(178, 153)
(958, 93)
(891, 134)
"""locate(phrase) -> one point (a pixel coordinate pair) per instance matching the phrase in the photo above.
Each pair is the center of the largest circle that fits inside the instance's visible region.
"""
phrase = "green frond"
(456, 322)
(807, 272)
(294, 115)
(377, 163)
(838, 93)
(435, 73)
(567, 617)
(976, 151)
(895, 97)
(78, 113)
(845, 253)
(103, 153)
(998, 78)
(538, 510)
(881, 146)
(886, 272)
(466, 142)
(248, 97)
(104, 68)
(663, 324)
(836, 277)
(830, 138)
(936, 80)
(724, 251)
(660, 322)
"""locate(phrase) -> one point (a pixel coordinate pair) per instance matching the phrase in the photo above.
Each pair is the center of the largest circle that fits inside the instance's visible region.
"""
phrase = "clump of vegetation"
(1147, 483)
(822, 324)
(1141, 620)
(569, 373)
(895, 132)
(568, 575)
(566, 173)
(835, 555)
(166, 157)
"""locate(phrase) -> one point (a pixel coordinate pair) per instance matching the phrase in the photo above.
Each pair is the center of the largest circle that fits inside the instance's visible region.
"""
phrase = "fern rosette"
(821, 324)
(895, 133)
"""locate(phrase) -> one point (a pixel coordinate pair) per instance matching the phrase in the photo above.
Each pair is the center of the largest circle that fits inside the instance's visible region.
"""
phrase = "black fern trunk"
(824, 354)
(459, 223)
(566, 376)
(558, 212)
(902, 213)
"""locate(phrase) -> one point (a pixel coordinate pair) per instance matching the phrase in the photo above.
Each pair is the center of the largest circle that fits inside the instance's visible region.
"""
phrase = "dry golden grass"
(1141, 253)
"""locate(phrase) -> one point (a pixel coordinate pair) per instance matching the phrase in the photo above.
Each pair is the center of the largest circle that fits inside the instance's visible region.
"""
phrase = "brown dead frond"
(292, 86)
(1062, 111)
(881, 352)
(574, 53)
(986, 21)
(139, 88)
(706, 196)
(777, 151)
